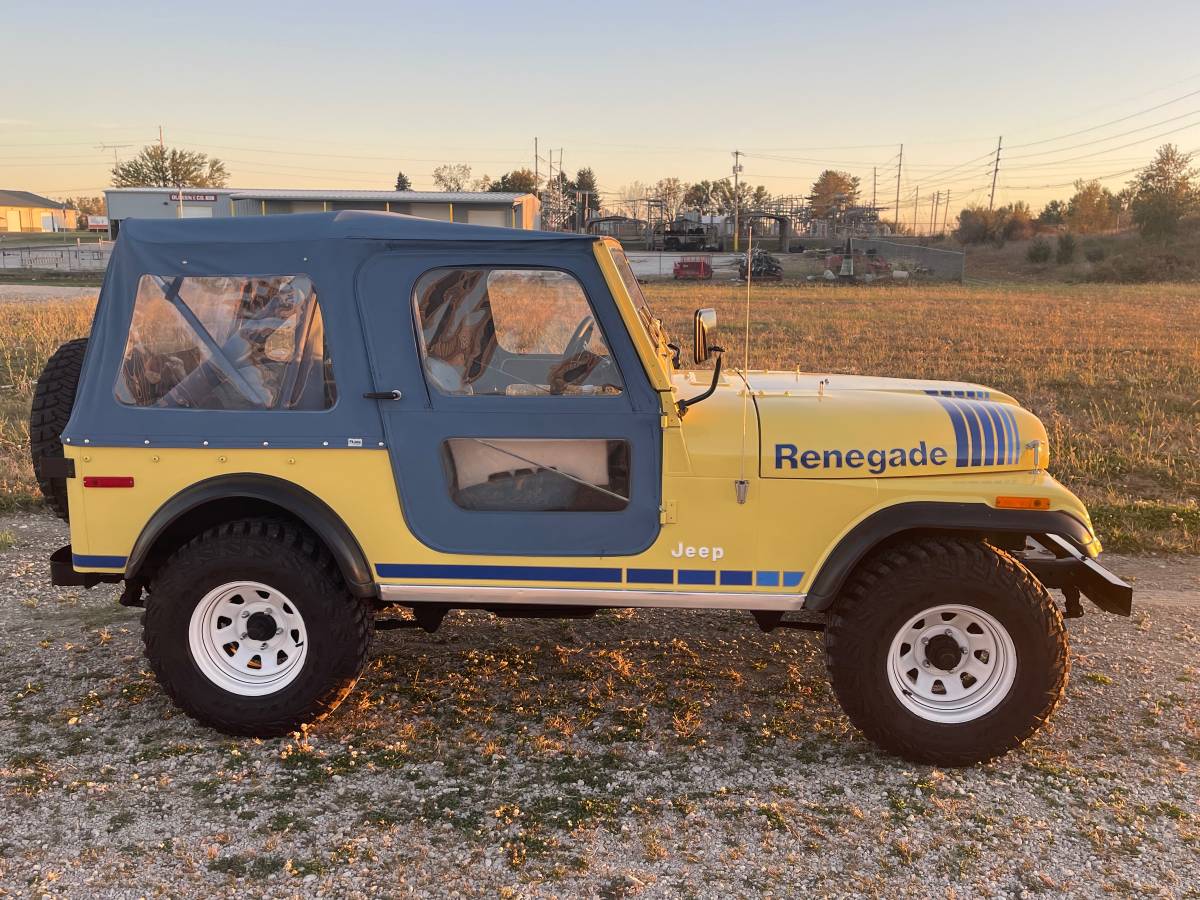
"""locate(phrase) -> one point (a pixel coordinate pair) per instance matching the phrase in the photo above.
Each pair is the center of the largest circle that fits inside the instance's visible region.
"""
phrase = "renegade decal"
(986, 433)
(876, 461)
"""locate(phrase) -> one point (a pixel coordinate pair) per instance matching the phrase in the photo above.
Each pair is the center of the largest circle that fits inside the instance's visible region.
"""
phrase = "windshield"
(653, 325)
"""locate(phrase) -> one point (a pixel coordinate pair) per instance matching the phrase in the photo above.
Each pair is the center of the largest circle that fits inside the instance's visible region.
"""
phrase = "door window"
(537, 475)
(511, 332)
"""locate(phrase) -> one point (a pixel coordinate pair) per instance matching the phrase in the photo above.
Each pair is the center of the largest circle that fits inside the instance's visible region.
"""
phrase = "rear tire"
(53, 399)
(946, 651)
(250, 629)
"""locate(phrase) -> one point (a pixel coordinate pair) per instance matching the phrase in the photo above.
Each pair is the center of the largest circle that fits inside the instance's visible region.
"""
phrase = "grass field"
(1112, 370)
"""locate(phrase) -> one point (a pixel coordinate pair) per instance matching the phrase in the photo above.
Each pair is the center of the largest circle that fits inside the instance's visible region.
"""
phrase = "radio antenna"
(742, 486)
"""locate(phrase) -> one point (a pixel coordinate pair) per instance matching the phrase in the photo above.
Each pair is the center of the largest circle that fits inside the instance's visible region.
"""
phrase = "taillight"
(108, 481)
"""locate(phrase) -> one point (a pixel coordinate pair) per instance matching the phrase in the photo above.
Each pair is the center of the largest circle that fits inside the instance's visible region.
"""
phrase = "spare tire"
(53, 398)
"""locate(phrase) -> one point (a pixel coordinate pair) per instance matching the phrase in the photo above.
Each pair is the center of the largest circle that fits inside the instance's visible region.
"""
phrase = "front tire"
(946, 651)
(250, 629)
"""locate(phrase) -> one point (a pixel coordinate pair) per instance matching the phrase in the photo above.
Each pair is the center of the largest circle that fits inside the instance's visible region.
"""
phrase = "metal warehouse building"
(23, 211)
(474, 207)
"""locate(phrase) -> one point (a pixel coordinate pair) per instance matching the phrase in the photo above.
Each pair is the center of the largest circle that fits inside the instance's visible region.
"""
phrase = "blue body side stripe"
(650, 576)
(742, 577)
(499, 573)
(697, 576)
(991, 435)
(98, 562)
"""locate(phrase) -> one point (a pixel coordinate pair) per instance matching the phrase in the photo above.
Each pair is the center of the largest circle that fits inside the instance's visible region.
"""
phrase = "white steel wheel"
(248, 638)
(951, 664)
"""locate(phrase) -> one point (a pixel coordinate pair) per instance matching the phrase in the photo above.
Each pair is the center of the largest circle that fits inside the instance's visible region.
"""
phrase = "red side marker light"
(108, 481)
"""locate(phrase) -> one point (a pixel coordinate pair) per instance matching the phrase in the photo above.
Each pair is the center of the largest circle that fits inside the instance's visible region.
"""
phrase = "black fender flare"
(931, 517)
(304, 505)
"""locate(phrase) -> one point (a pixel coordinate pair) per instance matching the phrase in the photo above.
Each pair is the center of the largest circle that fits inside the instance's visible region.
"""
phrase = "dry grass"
(1112, 370)
(29, 333)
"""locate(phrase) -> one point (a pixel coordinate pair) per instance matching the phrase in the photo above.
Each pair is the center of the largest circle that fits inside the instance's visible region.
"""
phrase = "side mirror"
(705, 324)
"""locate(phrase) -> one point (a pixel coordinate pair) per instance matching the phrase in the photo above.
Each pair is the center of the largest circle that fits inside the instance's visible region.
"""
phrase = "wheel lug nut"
(243, 635)
(924, 640)
(949, 633)
(278, 632)
(245, 613)
(925, 664)
(264, 646)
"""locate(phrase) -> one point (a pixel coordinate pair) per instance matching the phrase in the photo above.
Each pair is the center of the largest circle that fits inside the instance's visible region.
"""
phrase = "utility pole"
(737, 168)
(945, 211)
(995, 172)
(916, 198)
(899, 166)
(874, 184)
(160, 138)
(933, 207)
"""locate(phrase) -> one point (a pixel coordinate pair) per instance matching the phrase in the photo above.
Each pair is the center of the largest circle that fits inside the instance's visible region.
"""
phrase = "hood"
(849, 426)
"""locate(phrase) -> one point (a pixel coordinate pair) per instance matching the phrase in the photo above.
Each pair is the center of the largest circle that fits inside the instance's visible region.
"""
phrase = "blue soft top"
(325, 226)
(329, 248)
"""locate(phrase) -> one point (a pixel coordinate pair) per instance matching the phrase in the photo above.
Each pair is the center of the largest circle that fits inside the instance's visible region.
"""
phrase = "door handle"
(383, 395)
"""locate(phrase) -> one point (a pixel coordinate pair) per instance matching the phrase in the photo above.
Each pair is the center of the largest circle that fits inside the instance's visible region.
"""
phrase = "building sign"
(199, 198)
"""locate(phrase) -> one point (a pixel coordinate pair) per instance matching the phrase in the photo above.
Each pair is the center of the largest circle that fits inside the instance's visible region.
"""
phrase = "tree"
(518, 181)
(833, 189)
(402, 182)
(1053, 213)
(760, 198)
(1164, 192)
(671, 192)
(630, 197)
(157, 166)
(482, 183)
(87, 206)
(1092, 209)
(452, 176)
(699, 197)
(585, 181)
(1017, 221)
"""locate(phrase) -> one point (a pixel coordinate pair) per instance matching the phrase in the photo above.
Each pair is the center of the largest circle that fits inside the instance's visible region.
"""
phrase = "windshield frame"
(648, 334)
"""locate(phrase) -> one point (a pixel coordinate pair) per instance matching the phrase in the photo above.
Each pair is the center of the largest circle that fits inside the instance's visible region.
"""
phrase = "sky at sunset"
(342, 95)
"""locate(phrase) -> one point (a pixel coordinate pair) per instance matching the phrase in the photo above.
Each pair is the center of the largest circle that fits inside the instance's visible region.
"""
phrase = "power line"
(1143, 112)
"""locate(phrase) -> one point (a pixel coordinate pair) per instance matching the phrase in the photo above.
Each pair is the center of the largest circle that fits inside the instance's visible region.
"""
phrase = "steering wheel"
(580, 336)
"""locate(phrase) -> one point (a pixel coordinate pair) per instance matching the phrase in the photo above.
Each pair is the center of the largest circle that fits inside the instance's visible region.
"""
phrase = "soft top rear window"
(245, 342)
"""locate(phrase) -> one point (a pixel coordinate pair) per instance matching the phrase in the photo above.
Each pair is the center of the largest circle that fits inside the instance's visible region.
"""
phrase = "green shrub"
(1065, 253)
(1039, 251)
(1093, 253)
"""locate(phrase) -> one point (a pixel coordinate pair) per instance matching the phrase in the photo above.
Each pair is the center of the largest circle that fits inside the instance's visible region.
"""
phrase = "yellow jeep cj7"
(282, 426)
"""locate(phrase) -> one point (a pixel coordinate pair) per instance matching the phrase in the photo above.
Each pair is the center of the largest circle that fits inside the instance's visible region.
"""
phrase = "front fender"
(933, 517)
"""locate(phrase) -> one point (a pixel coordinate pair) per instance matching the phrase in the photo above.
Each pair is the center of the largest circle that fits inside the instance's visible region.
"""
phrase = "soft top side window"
(511, 332)
(242, 342)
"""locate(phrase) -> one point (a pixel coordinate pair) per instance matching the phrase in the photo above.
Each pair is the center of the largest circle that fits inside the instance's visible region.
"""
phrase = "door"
(525, 424)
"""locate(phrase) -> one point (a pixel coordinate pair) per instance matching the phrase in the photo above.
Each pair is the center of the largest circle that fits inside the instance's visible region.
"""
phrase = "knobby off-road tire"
(879, 644)
(53, 397)
(288, 588)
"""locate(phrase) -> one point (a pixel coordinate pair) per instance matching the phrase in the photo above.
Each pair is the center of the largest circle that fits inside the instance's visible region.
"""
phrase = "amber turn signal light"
(1022, 502)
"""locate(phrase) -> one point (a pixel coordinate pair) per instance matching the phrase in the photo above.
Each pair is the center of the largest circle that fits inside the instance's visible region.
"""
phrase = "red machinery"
(694, 268)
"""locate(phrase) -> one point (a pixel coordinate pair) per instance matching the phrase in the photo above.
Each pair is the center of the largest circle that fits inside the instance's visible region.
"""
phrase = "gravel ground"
(650, 754)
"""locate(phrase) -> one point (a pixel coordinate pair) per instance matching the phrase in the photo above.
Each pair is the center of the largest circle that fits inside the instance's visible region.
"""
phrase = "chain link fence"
(91, 257)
